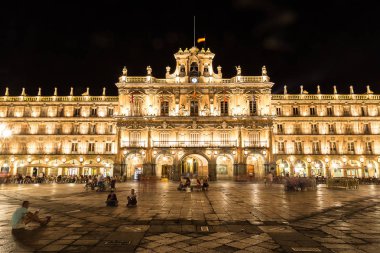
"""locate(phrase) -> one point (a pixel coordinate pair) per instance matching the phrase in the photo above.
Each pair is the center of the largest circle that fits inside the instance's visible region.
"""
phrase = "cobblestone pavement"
(230, 217)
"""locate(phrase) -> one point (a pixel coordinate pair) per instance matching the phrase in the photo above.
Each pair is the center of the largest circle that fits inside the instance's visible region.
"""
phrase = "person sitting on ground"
(181, 186)
(188, 182)
(205, 184)
(132, 200)
(21, 217)
(112, 199)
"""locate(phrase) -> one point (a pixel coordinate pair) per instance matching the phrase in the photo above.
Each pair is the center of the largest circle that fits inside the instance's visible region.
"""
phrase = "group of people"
(113, 201)
(186, 184)
(22, 216)
(100, 183)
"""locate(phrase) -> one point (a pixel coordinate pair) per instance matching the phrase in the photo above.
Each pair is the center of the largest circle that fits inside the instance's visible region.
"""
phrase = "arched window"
(194, 69)
(182, 71)
(164, 108)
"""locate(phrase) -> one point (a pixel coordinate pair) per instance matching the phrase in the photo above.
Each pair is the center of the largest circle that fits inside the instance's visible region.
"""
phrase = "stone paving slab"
(231, 217)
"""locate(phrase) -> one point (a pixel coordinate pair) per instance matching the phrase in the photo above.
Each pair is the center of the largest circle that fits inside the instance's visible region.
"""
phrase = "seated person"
(205, 184)
(132, 199)
(181, 186)
(188, 182)
(112, 199)
(22, 217)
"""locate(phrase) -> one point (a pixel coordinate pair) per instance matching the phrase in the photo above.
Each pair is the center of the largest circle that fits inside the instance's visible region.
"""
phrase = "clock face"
(194, 80)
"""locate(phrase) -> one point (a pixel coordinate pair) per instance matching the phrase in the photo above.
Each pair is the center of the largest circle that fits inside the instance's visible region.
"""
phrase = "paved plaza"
(230, 217)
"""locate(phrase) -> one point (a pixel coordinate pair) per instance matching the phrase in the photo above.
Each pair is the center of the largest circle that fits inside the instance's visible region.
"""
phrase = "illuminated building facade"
(193, 122)
(58, 135)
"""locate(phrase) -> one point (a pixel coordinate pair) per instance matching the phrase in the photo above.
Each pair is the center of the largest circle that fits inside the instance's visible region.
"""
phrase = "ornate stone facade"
(193, 122)
(58, 135)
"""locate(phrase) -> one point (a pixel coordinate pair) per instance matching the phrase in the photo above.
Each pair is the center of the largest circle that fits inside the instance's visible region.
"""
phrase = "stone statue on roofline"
(369, 90)
(149, 71)
(264, 71)
(238, 70)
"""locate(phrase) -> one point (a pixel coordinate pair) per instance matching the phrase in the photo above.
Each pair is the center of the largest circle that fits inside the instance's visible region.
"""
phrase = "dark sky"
(61, 43)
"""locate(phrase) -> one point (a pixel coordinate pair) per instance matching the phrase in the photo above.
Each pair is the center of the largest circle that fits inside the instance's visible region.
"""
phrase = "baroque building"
(193, 122)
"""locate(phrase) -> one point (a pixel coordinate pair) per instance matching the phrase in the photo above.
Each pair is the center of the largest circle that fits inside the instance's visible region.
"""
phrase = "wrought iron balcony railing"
(184, 144)
(256, 144)
(136, 144)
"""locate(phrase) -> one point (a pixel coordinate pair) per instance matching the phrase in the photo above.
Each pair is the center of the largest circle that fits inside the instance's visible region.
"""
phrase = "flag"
(201, 40)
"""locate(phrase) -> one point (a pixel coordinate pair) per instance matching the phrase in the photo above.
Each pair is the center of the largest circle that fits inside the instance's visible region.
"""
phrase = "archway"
(194, 165)
(371, 170)
(164, 166)
(134, 166)
(255, 168)
(317, 168)
(300, 168)
(336, 169)
(283, 168)
(224, 167)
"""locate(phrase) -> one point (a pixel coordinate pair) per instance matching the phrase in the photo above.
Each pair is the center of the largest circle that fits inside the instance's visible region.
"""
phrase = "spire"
(55, 91)
(194, 31)
(71, 91)
(6, 91)
(39, 91)
(104, 91)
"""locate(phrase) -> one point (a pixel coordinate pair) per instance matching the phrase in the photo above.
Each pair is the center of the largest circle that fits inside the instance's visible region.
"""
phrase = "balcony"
(190, 144)
(133, 144)
(256, 144)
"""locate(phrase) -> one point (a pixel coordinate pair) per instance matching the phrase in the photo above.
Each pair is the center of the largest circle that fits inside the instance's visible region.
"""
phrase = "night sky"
(61, 43)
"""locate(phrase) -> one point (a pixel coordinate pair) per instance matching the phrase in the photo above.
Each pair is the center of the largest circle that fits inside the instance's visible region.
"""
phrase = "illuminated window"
(164, 138)
(135, 139)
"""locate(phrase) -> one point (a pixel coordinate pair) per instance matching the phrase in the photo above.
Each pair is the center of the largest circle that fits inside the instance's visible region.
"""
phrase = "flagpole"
(194, 31)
